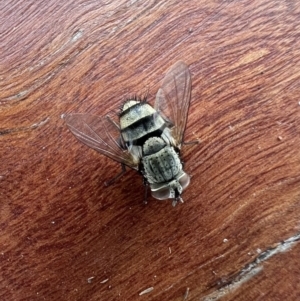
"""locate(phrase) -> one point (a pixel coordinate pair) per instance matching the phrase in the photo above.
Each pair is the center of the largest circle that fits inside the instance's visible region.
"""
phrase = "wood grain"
(65, 236)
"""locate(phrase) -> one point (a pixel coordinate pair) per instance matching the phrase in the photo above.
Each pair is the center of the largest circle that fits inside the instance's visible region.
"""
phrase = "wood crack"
(252, 269)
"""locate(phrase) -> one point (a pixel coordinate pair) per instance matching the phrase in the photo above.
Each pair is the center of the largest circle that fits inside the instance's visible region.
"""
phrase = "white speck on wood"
(146, 291)
(186, 294)
(77, 35)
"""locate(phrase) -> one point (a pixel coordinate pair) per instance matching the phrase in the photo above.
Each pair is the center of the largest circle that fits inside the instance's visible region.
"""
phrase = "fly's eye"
(161, 194)
(184, 181)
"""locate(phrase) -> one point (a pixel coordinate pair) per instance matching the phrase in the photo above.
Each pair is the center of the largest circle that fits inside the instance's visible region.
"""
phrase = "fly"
(147, 139)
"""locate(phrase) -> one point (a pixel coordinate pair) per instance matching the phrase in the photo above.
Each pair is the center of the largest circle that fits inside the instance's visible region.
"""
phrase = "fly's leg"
(176, 200)
(119, 175)
(191, 142)
(146, 191)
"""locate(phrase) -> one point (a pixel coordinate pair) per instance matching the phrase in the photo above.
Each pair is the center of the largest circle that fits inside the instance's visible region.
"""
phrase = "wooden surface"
(65, 236)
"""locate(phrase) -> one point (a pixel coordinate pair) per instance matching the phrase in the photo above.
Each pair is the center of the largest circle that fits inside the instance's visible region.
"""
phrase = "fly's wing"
(101, 134)
(173, 99)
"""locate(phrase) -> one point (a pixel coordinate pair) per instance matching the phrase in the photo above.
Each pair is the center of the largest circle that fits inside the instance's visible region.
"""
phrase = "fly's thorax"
(133, 111)
(160, 166)
(139, 121)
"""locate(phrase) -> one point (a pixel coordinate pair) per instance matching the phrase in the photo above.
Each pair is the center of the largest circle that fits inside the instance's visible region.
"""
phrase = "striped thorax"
(139, 121)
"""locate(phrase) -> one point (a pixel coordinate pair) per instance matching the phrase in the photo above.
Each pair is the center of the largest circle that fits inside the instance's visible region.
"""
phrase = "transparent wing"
(101, 134)
(173, 99)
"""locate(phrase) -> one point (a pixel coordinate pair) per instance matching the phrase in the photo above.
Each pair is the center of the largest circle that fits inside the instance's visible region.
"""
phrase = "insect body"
(148, 138)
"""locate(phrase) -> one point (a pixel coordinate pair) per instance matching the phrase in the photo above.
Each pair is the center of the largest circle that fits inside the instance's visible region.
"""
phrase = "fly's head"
(172, 189)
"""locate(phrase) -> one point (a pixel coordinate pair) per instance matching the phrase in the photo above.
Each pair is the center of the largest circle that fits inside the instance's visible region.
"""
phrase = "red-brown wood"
(65, 236)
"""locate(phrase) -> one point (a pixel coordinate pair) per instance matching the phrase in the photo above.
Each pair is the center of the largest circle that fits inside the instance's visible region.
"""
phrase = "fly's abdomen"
(162, 166)
(139, 121)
